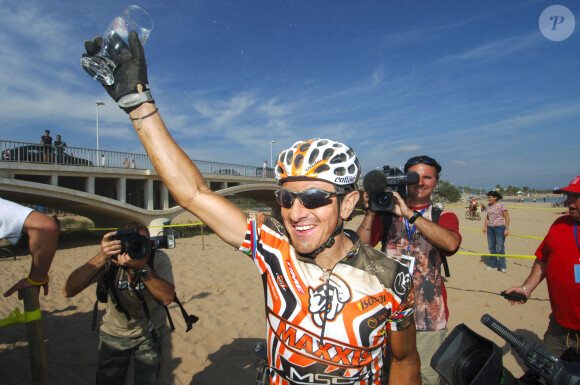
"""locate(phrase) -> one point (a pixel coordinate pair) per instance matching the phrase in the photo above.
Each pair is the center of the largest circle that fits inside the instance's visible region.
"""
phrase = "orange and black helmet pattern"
(319, 159)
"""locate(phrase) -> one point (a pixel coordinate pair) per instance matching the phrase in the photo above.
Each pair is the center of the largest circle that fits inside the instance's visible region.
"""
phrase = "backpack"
(388, 220)
(106, 286)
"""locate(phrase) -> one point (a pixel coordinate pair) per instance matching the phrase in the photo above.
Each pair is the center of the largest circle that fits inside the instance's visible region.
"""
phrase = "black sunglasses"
(422, 159)
(311, 199)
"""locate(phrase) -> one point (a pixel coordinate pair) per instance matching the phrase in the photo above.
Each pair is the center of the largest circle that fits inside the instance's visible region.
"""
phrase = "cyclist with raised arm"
(331, 302)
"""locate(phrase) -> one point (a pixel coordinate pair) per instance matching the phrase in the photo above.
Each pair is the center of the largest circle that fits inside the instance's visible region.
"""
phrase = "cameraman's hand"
(110, 247)
(366, 207)
(124, 260)
(401, 209)
(131, 75)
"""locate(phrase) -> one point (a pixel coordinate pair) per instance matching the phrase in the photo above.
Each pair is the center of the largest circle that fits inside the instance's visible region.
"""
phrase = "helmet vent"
(327, 153)
(304, 147)
(298, 160)
(313, 156)
(339, 158)
(321, 168)
(340, 171)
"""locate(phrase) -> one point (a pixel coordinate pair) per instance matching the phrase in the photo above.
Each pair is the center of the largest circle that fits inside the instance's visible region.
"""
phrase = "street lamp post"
(271, 164)
(97, 104)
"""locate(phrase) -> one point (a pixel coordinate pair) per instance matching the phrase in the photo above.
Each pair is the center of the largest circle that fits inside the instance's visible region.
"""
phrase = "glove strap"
(132, 101)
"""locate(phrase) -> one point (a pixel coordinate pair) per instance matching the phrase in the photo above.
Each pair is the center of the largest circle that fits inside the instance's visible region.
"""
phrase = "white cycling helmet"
(321, 159)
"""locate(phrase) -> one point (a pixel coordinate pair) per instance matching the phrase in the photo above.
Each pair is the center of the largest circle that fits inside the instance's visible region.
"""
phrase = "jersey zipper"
(325, 277)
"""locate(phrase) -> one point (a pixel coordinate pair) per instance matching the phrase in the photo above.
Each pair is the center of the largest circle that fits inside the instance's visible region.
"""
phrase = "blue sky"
(474, 84)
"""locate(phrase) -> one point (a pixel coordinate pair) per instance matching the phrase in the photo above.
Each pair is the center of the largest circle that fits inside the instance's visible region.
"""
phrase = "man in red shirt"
(558, 260)
(413, 237)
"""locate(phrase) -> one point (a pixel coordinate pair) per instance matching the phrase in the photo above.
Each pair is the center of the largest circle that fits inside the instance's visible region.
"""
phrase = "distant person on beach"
(103, 160)
(135, 320)
(496, 225)
(264, 168)
(412, 234)
(557, 260)
(42, 232)
(46, 140)
(126, 163)
(329, 298)
(133, 165)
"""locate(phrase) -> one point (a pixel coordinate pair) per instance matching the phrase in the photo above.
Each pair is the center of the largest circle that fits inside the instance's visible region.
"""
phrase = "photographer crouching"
(136, 283)
(414, 232)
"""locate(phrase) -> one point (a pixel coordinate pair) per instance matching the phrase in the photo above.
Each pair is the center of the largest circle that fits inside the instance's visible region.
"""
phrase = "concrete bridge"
(114, 194)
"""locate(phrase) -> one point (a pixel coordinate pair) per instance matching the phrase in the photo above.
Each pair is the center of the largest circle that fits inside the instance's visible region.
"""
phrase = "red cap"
(573, 188)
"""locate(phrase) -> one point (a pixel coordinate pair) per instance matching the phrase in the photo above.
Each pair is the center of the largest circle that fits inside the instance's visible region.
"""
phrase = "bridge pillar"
(54, 179)
(90, 187)
(149, 194)
(164, 197)
(122, 189)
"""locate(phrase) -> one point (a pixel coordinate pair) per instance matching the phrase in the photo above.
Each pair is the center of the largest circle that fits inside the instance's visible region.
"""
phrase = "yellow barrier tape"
(149, 227)
(378, 246)
(510, 235)
(17, 317)
(499, 255)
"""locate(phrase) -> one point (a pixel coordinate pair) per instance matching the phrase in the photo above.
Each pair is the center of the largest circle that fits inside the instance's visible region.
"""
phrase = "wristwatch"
(416, 214)
(144, 272)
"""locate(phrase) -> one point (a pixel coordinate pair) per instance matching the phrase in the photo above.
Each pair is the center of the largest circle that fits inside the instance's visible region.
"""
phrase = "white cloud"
(414, 147)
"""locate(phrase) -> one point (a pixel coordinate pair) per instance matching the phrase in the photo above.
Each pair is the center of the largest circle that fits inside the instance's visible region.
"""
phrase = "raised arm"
(185, 181)
(178, 172)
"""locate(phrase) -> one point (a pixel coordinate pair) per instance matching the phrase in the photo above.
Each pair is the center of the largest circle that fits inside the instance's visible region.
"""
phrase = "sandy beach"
(222, 287)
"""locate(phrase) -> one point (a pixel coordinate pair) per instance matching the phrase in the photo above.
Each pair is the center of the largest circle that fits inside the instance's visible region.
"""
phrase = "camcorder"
(466, 358)
(133, 243)
(381, 184)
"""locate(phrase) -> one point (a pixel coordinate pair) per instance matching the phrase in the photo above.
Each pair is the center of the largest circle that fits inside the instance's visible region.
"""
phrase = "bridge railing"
(23, 152)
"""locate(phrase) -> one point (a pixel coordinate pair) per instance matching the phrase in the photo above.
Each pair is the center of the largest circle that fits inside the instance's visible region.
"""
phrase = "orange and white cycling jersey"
(327, 327)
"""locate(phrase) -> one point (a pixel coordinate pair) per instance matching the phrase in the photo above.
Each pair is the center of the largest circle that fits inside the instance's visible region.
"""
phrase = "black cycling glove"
(128, 74)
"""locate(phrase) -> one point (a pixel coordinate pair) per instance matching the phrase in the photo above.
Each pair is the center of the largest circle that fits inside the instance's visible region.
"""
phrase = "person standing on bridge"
(42, 232)
(46, 141)
(332, 302)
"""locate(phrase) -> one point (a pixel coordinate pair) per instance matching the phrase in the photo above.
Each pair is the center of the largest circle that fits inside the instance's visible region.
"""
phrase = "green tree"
(448, 192)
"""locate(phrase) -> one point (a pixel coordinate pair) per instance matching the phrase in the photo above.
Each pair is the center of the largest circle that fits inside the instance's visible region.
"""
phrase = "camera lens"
(468, 366)
(382, 201)
(138, 247)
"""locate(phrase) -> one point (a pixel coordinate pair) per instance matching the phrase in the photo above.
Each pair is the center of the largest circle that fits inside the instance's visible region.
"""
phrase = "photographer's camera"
(133, 243)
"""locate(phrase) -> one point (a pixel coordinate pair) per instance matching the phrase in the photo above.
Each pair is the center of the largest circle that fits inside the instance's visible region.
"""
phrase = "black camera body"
(381, 184)
(133, 243)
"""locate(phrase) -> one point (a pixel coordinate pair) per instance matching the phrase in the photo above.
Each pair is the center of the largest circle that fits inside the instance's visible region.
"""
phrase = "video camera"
(380, 185)
(133, 243)
(466, 358)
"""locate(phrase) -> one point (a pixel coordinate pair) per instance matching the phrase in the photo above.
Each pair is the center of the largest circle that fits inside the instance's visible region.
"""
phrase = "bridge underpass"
(112, 196)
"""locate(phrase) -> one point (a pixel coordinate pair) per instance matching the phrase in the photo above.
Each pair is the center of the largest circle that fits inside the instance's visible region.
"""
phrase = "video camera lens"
(382, 201)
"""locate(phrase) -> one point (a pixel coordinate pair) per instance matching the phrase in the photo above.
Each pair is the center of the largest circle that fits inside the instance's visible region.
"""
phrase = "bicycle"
(263, 369)
(476, 215)
(6, 253)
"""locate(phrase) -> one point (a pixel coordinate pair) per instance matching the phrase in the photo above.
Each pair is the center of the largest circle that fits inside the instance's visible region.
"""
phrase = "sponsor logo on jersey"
(332, 353)
(281, 281)
(370, 301)
(295, 278)
(402, 282)
(322, 307)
